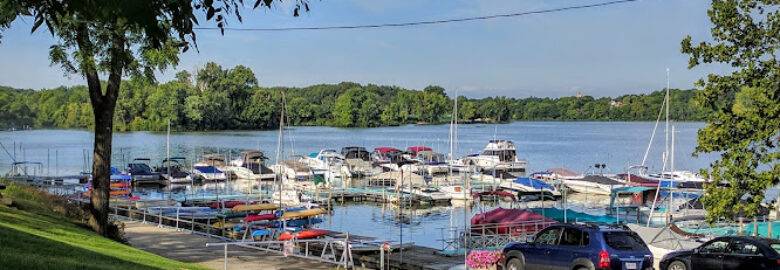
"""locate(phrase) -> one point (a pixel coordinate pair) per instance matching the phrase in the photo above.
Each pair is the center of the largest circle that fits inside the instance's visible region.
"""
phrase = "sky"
(603, 51)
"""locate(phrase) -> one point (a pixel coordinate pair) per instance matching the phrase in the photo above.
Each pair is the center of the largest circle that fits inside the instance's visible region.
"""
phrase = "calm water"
(574, 145)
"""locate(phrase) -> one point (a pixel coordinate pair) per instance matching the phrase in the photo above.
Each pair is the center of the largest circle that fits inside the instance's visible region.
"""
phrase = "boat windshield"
(139, 167)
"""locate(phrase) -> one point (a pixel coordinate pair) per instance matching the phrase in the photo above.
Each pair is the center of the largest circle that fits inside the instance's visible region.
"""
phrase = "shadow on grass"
(21, 250)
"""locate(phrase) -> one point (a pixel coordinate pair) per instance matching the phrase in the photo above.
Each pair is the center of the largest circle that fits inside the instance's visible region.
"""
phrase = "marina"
(443, 213)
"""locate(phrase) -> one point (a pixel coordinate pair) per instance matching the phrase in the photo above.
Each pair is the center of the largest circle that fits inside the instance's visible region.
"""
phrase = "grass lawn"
(40, 238)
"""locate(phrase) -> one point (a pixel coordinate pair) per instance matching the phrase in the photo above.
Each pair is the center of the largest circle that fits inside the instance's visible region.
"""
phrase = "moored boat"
(141, 173)
(500, 155)
(172, 170)
(251, 165)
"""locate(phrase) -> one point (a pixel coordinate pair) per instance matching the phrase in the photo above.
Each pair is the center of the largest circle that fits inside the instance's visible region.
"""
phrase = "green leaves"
(745, 105)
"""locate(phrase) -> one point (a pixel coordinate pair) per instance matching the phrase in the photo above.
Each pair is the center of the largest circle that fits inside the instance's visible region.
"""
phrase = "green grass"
(36, 237)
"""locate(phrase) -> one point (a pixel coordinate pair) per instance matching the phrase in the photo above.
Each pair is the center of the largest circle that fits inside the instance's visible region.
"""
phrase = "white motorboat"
(251, 166)
(208, 173)
(500, 155)
(427, 193)
(530, 186)
(327, 163)
(391, 159)
(592, 184)
(430, 162)
(456, 192)
(293, 171)
(357, 162)
(290, 197)
(172, 170)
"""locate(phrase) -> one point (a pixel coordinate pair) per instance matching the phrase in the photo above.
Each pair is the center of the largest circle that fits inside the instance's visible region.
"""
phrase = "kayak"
(302, 235)
(227, 204)
(251, 218)
(225, 225)
(298, 222)
(303, 213)
(253, 207)
(258, 233)
(120, 185)
(119, 192)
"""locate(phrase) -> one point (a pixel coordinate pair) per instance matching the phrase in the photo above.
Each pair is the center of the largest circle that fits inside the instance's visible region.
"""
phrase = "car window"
(571, 237)
(715, 247)
(585, 239)
(776, 247)
(548, 236)
(624, 240)
(740, 247)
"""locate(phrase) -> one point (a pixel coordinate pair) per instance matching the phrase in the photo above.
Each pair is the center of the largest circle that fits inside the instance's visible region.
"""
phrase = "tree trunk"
(101, 168)
(103, 106)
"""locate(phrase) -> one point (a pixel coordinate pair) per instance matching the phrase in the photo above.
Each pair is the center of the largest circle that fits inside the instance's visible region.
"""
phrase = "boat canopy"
(601, 180)
(415, 149)
(384, 150)
(533, 183)
(429, 156)
(563, 172)
(355, 152)
(250, 155)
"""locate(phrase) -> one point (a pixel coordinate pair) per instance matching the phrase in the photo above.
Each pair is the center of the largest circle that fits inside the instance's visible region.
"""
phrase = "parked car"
(727, 253)
(580, 246)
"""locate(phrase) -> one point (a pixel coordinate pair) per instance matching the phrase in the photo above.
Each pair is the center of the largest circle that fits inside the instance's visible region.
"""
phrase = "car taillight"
(778, 261)
(603, 259)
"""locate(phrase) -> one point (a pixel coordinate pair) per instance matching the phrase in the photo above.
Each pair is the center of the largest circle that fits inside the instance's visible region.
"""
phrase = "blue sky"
(604, 51)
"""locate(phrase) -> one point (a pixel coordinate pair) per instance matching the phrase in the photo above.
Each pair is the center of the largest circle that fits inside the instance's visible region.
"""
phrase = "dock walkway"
(191, 248)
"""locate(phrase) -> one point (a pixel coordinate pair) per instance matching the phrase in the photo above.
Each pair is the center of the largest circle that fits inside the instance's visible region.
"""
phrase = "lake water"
(573, 145)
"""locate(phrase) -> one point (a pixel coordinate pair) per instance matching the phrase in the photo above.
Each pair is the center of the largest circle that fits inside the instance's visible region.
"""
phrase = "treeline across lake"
(216, 98)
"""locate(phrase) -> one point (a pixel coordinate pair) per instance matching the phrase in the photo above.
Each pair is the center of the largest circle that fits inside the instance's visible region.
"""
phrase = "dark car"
(579, 247)
(727, 253)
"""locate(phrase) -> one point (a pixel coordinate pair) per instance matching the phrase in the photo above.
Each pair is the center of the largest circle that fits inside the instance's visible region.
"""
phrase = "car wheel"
(514, 264)
(677, 265)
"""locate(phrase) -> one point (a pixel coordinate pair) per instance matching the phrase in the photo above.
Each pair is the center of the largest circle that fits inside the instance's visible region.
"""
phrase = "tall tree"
(745, 105)
(116, 38)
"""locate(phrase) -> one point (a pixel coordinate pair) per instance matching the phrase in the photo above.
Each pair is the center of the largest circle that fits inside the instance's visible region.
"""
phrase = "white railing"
(300, 249)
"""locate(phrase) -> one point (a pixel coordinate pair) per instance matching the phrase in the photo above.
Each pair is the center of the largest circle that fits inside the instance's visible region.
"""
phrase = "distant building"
(615, 103)
(579, 94)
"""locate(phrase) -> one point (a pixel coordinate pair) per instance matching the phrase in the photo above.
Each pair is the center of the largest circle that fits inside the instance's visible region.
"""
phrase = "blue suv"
(583, 246)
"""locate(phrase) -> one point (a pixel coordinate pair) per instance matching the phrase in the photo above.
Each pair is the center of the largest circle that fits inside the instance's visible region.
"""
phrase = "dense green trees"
(218, 98)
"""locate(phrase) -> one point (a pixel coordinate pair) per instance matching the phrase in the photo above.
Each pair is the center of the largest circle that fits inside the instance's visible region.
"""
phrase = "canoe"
(228, 204)
(302, 235)
(225, 225)
(303, 213)
(119, 192)
(251, 218)
(254, 207)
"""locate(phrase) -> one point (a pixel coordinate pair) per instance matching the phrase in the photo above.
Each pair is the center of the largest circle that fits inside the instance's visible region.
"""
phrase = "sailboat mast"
(668, 98)
(280, 146)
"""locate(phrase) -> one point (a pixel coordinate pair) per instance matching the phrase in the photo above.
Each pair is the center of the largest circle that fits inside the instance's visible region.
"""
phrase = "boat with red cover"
(509, 221)
(251, 218)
